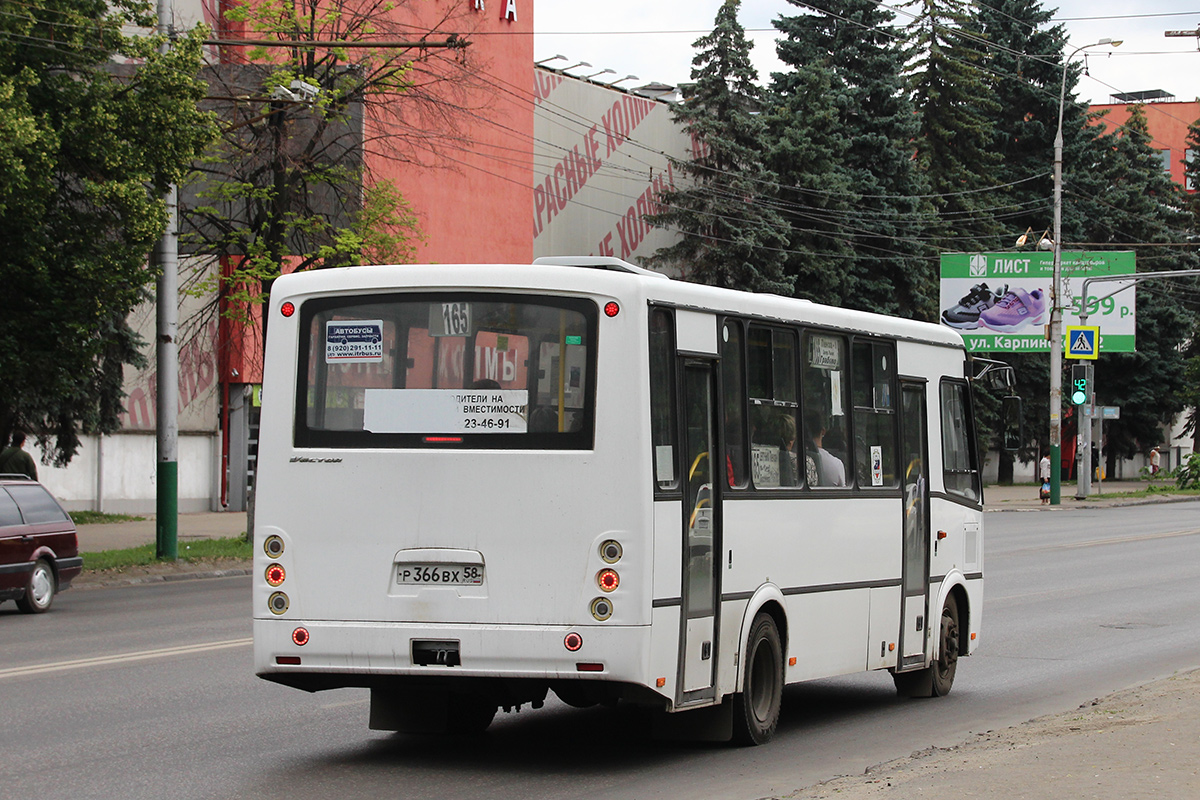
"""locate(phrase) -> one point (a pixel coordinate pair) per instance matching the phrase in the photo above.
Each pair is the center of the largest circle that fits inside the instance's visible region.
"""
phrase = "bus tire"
(756, 707)
(937, 679)
(946, 664)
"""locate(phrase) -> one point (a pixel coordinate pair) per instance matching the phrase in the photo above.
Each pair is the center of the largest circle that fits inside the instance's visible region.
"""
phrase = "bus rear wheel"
(937, 679)
(756, 707)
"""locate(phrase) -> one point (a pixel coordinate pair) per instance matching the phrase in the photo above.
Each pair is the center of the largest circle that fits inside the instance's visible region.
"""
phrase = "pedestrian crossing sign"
(1083, 341)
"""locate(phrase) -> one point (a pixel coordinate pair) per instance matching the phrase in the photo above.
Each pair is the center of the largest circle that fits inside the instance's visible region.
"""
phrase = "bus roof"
(600, 275)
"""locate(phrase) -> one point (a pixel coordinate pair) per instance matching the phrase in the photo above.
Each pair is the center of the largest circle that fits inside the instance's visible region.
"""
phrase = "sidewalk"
(120, 535)
(1025, 496)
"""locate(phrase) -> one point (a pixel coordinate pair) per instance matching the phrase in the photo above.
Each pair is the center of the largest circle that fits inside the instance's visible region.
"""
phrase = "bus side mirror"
(1011, 423)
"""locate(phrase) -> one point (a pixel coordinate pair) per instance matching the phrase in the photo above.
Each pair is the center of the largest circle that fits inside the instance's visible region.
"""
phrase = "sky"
(653, 40)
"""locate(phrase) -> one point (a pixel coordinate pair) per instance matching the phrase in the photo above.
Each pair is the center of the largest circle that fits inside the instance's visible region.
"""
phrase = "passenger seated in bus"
(829, 468)
(543, 419)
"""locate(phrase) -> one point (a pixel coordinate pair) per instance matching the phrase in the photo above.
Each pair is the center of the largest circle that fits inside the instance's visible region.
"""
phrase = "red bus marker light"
(287, 309)
(300, 636)
(573, 641)
(611, 309)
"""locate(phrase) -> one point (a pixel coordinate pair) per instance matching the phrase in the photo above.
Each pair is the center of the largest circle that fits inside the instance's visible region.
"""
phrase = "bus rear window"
(421, 370)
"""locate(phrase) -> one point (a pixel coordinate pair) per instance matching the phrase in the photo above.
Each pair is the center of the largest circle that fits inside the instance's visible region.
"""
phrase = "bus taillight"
(573, 641)
(611, 309)
(275, 574)
(300, 636)
(608, 580)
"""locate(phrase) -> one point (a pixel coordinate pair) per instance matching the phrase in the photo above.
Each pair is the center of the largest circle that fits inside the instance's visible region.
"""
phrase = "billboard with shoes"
(1000, 302)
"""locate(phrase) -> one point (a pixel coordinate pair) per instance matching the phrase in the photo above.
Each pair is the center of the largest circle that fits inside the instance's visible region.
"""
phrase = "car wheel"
(39, 591)
(756, 707)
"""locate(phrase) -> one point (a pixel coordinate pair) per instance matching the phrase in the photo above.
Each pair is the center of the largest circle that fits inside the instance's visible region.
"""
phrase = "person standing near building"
(1154, 461)
(15, 461)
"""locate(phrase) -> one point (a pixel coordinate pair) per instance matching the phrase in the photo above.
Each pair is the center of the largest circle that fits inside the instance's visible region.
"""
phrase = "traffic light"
(1080, 391)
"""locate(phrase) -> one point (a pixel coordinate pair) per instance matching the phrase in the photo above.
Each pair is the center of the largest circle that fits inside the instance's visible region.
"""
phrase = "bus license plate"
(440, 574)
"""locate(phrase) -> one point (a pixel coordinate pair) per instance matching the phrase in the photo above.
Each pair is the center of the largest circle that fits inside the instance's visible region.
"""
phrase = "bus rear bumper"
(340, 654)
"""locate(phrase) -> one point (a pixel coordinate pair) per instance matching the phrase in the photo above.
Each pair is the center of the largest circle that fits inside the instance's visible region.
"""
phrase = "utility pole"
(167, 352)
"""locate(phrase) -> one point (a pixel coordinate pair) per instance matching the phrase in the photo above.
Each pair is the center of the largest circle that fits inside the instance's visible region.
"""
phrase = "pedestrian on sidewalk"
(15, 461)
(1154, 460)
(1044, 475)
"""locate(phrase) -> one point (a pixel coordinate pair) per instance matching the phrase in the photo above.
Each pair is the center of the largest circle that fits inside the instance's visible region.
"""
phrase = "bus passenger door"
(701, 520)
(914, 628)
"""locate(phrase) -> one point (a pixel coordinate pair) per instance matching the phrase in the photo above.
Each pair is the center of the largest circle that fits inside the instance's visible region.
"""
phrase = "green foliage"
(1142, 205)
(87, 146)
(731, 234)
(955, 98)
(842, 129)
(1188, 474)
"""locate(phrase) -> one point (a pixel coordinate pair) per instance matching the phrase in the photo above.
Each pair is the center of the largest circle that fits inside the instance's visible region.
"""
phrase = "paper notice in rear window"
(355, 341)
(445, 410)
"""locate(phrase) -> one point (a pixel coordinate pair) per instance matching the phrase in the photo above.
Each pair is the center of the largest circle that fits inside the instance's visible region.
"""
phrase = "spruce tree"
(1139, 207)
(846, 89)
(955, 100)
(723, 207)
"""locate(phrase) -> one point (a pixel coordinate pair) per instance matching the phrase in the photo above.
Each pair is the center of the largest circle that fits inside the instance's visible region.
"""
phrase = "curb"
(140, 580)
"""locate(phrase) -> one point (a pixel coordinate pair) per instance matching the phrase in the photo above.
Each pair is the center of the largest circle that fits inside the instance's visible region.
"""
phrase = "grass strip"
(100, 518)
(191, 551)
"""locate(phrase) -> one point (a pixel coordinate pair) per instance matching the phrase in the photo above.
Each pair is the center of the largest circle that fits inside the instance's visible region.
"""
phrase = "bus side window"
(773, 398)
(959, 457)
(733, 395)
(662, 398)
(824, 438)
(872, 391)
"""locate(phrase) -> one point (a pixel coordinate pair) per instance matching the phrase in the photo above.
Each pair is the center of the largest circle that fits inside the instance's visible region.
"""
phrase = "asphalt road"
(148, 691)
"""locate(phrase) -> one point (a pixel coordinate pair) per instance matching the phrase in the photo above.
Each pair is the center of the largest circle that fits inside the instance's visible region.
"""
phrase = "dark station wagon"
(39, 551)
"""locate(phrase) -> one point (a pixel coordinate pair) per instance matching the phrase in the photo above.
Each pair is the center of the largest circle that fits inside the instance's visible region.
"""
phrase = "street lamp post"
(1056, 306)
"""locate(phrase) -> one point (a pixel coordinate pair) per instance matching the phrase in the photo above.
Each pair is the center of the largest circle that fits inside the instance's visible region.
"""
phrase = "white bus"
(481, 483)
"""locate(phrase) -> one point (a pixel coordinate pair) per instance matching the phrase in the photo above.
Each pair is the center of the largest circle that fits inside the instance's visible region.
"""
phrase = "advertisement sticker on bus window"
(764, 465)
(449, 319)
(354, 341)
(445, 410)
(876, 465)
(825, 352)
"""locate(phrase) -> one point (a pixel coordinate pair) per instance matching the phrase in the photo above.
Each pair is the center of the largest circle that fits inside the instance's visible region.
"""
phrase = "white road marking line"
(122, 658)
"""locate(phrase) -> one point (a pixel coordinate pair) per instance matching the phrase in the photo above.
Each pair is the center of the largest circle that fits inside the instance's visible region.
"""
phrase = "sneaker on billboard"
(965, 315)
(1015, 310)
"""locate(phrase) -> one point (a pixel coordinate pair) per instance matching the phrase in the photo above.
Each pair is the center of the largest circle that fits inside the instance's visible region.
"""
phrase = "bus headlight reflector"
(602, 608)
(611, 551)
(275, 574)
(278, 603)
(608, 580)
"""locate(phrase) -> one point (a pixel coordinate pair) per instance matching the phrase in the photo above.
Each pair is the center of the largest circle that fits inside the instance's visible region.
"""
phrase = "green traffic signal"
(1079, 384)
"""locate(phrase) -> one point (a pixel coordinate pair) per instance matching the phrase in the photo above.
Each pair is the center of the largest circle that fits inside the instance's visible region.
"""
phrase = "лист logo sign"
(979, 266)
